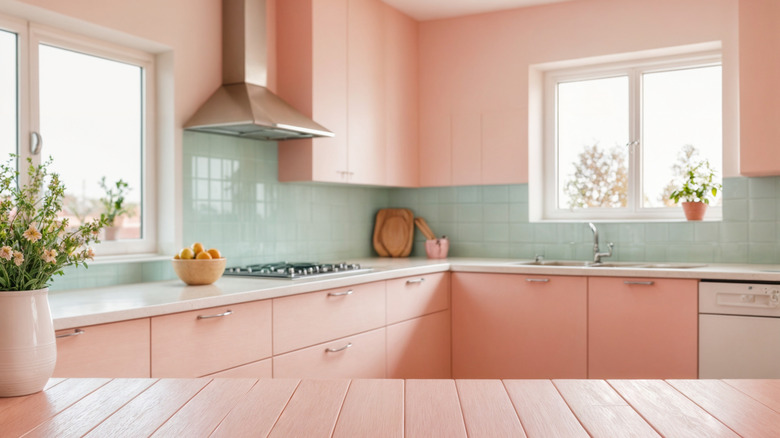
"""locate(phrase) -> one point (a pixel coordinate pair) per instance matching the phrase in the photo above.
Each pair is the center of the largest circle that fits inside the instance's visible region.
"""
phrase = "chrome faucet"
(596, 254)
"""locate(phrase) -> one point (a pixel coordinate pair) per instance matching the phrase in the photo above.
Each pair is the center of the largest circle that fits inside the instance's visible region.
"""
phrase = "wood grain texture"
(90, 411)
(740, 412)
(487, 409)
(258, 410)
(765, 391)
(328, 316)
(393, 231)
(410, 297)
(432, 409)
(19, 415)
(255, 370)
(669, 412)
(137, 419)
(185, 346)
(601, 411)
(420, 348)
(542, 410)
(312, 410)
(119, 349)
(207, 409)
(372, 408)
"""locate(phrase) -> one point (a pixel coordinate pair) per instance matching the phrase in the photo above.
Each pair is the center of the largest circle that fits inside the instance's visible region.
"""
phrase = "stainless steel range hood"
(242, 106)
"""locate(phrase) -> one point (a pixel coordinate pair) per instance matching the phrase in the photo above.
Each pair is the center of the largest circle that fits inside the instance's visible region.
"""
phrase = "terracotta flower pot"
(28, 349)
(694, 211)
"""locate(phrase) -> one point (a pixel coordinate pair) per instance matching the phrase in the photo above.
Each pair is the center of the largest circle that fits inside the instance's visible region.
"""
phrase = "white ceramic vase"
(28, 349)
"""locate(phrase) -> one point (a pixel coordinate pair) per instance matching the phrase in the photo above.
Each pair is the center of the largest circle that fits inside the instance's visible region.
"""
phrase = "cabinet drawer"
(119, 349)
(312, 318)
(420, 348)
(363, 359)
(255, 370)
(200, 342)
(411, 297)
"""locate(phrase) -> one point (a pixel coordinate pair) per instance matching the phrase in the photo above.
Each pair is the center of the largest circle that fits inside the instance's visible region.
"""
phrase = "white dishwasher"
(739, 330)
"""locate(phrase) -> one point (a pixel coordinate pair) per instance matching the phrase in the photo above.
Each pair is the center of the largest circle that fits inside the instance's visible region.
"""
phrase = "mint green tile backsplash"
(233, 201)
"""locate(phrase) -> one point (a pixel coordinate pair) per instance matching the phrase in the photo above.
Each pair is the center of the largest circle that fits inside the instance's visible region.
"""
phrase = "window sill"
(128, 258)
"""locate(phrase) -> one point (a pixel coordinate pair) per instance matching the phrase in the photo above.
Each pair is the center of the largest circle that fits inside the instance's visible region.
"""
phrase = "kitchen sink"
(637, 265)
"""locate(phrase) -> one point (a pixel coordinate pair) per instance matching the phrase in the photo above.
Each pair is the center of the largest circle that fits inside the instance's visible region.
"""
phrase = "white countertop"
(83, 307)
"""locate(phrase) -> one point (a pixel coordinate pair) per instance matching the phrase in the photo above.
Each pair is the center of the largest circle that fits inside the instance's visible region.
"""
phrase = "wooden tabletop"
(395, 408)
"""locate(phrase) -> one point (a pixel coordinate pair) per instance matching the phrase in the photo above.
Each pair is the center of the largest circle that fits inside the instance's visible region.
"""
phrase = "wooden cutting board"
(394, 232)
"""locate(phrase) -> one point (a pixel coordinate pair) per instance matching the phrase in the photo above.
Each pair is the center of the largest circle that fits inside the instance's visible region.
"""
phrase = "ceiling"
(433, 9)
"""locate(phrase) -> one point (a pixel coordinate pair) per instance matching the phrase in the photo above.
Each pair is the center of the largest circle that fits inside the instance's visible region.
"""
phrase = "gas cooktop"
(295, 271)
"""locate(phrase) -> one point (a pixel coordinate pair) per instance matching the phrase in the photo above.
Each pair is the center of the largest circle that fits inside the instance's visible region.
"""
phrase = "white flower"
(89, 253)
(49, 255)
(6, 252)
(32, 234)
(18, 258)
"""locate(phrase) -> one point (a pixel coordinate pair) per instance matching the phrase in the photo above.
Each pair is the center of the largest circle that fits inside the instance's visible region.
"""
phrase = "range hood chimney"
(243, 106)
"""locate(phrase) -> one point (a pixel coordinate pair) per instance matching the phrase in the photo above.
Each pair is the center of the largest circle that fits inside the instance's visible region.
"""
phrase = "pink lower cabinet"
(642, 328)
(119, 349)
(360, 356)
(201, 342)
(255, 370)
(508, 326)
(410, 297)
(419, 348)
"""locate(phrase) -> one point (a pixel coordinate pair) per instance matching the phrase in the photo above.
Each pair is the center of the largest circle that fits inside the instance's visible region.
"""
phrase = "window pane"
(681, 124)
(592, 163)
(8, 95)
(91, 115)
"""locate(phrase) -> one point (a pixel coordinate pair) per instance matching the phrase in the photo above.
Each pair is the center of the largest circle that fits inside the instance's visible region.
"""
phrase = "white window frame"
(30, 35)
(633, 69)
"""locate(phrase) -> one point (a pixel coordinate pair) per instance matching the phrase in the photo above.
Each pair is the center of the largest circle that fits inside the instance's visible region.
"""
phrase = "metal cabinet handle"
(340, 294)
(67, 335)
(537, 280)
(36, 143)
(336, 350)
(642, 283)
(218, 315)
(419, 280)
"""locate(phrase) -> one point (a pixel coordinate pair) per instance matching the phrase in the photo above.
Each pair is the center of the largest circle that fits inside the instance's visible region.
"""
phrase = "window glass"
(681, 123)
(91, 120)
(592, 163)
(8, 95)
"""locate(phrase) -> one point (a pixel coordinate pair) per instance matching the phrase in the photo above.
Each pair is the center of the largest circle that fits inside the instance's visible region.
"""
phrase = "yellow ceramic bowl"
(196, 272)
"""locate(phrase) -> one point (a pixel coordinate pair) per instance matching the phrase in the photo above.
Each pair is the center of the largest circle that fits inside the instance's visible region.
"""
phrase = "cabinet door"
(200, 342)
(119, 349)
(410, 297)
(518, 326)
(420, 348)
(359, 356)
(255, 370)
(642, 328)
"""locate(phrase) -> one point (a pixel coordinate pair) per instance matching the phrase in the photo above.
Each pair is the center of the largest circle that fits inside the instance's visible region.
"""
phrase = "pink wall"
(480, 63)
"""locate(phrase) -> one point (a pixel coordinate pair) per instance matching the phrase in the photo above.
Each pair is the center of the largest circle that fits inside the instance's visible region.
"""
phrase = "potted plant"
(113, 206)
(35, 245)
(696, 190)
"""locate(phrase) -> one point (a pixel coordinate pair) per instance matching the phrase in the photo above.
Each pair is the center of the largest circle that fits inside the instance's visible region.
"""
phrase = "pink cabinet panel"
(360, 356)
(410, 297)
(642, 328)
(119, 349)
(255, 370)
(435, 149)
(503, 137)
(518, 326)
(420, 348)
(466, 149)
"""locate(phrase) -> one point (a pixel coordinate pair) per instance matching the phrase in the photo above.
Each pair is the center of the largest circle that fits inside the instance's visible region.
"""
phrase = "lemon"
(203, 255)
(186, 254)
(197, 248)
(176, 257)
(214, 252)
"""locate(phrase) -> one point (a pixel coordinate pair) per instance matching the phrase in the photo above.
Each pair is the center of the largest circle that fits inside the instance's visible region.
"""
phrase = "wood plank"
(487, 409)
(22, 416)
(259, 409)
(6, 403)
(91, 410)
(433, 409)
(374, 408)
(668, 411)
(137, 419)
(203, 413)
(542, 410)
(601, 410)
(764, 390)
(312, 410)
(740, 412)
